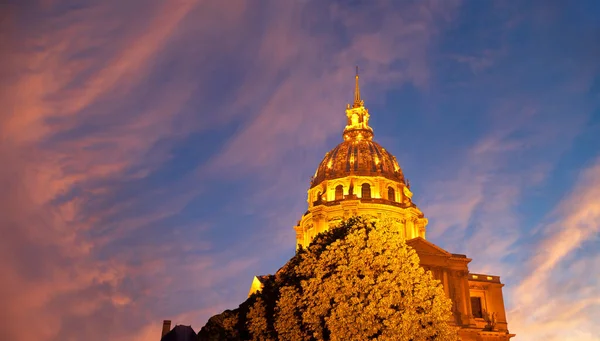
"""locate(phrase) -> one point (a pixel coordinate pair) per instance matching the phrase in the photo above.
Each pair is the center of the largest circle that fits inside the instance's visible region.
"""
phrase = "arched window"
(339, 192)
(391, 194)
(366, 191)
(318, 198)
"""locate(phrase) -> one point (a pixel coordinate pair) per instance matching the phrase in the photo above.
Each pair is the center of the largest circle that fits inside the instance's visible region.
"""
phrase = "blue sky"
(156, 155)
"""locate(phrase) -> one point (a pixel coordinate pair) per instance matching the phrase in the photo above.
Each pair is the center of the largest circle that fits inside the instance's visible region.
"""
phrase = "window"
(476, 307)
(391, 194)
(339, 192)
(319, 197)
(366, 191)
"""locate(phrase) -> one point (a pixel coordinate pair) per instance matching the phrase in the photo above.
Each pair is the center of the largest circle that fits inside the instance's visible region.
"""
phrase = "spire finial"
(357, 126)
(357, 101)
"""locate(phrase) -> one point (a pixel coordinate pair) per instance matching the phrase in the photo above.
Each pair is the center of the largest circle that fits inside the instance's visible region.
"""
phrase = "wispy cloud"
(558, 293)
(81, 137)
(490, 202)
(280, 144)
(155, 156)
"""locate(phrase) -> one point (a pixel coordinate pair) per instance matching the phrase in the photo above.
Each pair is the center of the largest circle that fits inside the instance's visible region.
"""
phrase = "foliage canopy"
(359, 281)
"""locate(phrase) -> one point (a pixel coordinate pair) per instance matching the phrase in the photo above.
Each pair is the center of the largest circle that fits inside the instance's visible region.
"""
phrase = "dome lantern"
(357, 126)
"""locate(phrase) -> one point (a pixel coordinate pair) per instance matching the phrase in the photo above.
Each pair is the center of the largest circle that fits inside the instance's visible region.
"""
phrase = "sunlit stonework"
(360, 177)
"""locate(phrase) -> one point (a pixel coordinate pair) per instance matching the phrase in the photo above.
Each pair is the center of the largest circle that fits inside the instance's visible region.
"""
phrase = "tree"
(362, 282)
(258, 323)
(359, 281)
(221, 327)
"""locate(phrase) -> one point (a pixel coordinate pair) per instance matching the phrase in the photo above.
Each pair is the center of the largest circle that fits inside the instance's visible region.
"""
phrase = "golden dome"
(358, 157)
(358, 154)
(358, 178)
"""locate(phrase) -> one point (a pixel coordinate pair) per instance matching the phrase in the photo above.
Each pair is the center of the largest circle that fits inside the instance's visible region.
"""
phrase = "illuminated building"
(360, 177)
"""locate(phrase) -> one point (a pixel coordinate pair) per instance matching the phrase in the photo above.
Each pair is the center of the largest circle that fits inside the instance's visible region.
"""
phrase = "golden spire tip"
(357, 101)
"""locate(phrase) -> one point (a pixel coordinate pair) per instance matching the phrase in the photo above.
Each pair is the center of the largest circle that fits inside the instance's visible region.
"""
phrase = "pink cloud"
(58, 267)
(550, 301)
(310, 93)
(55, 272)
(578, 220)
(282, 133)
(476, 211)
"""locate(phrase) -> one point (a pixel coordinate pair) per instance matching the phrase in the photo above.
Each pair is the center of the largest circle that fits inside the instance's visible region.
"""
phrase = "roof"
(258, 282)
(426, 247)
(358, 157)
(263, 278)
(180, 333)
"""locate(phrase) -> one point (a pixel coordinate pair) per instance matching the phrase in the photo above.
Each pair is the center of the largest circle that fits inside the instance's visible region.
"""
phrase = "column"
(464, 285)
(410, 227)
(445, 283)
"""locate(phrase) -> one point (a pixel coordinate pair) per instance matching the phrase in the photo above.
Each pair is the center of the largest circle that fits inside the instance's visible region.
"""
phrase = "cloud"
(479, 213)
(490, 202)
(306, 59)
(148, 153)
(80, 130)
(558, 293)
(551, 295)
(309, 92)
(577, 221)
(281, 133)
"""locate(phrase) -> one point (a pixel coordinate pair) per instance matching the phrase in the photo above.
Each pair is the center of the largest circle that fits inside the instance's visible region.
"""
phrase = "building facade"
(360, 177)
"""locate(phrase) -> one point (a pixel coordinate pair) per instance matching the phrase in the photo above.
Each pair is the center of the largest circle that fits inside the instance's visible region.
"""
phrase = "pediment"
(423, 247)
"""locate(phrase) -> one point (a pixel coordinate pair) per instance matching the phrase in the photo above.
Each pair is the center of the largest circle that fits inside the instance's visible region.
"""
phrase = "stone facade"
(478, 305)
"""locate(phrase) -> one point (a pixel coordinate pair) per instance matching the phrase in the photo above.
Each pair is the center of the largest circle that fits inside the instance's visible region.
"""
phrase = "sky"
(155, 155)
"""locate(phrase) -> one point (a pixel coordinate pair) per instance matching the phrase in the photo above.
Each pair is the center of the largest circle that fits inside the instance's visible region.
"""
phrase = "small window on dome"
(391, 194)
(339, 192)
(366, 191)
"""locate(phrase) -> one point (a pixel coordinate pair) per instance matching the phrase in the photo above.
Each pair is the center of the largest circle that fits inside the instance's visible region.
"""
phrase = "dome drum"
(380, 201)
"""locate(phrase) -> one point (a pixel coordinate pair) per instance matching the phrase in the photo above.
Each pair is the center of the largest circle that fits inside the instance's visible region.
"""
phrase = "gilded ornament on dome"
(407, 192)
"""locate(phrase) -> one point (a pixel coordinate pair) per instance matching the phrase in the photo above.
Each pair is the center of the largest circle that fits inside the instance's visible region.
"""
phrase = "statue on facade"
(490, 320)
